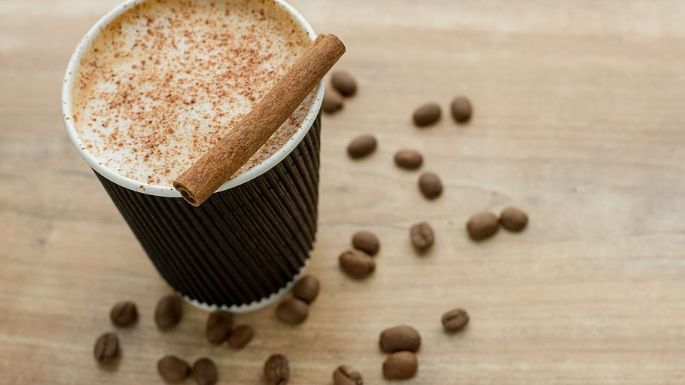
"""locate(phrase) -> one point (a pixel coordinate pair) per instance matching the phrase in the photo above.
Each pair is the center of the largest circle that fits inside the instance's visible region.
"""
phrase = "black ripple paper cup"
(250, 241)
(244, 245)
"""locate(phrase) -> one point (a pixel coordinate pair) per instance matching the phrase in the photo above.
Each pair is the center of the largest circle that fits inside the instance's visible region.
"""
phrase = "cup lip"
(170, 191)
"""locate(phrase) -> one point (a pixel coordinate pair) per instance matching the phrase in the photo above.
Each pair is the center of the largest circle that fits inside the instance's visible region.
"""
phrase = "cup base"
(246, 308)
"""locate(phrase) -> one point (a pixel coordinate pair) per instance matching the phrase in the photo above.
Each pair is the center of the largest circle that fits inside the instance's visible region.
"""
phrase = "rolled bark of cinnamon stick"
(226, 157)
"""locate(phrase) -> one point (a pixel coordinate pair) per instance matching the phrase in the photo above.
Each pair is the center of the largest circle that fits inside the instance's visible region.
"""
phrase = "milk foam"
(167, 78)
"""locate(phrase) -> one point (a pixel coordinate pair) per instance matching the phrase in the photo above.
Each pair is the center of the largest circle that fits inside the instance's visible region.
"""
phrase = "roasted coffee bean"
(219, 325)
(205, 372)
(344, 83)
(361, 146)
(306, 288)
(292, 311)
(366, 241)
(346, 375)
(400, 366)
(399, 338)
(124, 314)
(513, 219)
(430, 185)
(461, 109)
(168, 312)
(422, 236)
(240, 337)
(276, 370)
(356, 264)
(427, 114)
(173, 369)
(332, 101)
(408, 159)
(455, 320)
(482, 225)
(106, 348)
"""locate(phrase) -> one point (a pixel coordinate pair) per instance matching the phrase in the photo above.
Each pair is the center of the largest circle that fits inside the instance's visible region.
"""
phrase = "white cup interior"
(169, 191)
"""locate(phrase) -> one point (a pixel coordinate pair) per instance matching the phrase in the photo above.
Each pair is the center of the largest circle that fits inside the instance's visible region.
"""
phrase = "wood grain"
(578, 120)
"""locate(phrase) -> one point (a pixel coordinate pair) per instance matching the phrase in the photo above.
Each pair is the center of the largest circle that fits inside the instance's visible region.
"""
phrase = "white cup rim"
(169, 191)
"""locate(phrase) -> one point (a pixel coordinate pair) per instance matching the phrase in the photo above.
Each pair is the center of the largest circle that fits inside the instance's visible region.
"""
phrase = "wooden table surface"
(579, 120)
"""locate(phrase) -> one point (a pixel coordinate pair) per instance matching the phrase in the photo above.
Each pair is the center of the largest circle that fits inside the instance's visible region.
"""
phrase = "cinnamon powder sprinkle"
(168, 78)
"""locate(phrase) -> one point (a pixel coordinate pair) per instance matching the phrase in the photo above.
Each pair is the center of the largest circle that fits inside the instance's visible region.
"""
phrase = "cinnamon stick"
(226, 157)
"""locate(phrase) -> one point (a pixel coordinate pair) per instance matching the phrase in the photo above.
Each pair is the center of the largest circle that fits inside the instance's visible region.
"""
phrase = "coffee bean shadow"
(111, 366)
(459, 333)
(363, 279)
(189, 379)
(484, 240)
(423, 253)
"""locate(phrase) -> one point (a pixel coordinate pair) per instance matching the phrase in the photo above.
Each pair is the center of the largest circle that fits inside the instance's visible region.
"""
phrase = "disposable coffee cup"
(250, 241)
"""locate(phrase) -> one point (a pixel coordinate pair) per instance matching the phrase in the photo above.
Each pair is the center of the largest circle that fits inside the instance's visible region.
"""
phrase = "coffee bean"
(292, 311)
(427, 114)
(344, 83)
(168, 312)
(276, 370)
(240, 337)
(173, 369)
(124, 314)
(361, 146)
(332, 101)
(218, 328)
(346, 375)
(400, 366)
(106, 348)
(205, 372)
(513, 219)
(461, 109)
(430, 185)
(399, 338)
(356, 264)
(408, 159)
(306, 288)
(366, 241)
(422, 236)
(455, 320)
(482, 225)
